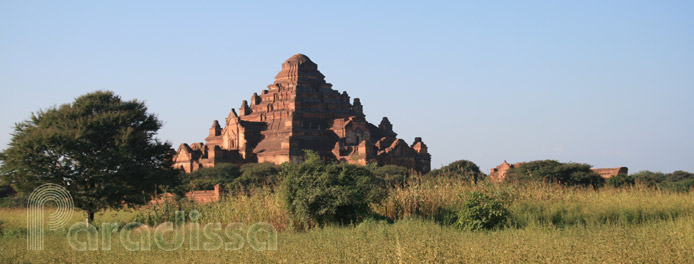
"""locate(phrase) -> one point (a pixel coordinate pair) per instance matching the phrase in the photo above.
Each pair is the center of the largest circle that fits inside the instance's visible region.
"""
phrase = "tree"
(257, 174)
(621, 180)
(334, 193)
(569, 174)
(390, 174)
(100, 148)
(462, 169)
(207, 177)
(648, 178)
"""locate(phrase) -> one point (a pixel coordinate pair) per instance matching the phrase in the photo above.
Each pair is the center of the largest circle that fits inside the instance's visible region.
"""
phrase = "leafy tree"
(462, 169)
(569, 174)
(334, 193)
(621, 180)
(206, 178)
(100, 148)
(257, 174)
(481, 212)
(648, 178)
(678, 175)
(680, 181)
(390, 174)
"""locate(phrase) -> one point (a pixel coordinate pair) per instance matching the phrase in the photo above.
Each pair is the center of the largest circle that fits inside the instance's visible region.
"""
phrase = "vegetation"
(316, 193)
(461, 169)
(257, 175)
(481, 212)
(391, 174)
(677, 181)
(100, 148)
(552, 171)
(548, 223)
(207, 178)
(621, 180)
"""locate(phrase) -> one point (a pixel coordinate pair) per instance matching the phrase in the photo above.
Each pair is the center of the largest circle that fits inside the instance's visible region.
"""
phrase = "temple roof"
(298, 59)
(297, 67)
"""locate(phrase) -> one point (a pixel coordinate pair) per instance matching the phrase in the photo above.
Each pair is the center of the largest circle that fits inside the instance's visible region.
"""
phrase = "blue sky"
(609, 83)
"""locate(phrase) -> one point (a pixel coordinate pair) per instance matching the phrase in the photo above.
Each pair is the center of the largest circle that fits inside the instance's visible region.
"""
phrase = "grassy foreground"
(549, 224)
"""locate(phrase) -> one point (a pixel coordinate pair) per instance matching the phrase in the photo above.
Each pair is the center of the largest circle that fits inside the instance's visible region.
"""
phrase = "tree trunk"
(90, 218)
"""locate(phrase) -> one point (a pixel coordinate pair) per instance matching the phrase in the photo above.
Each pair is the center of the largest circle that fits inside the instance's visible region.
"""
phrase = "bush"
(621, 180)
(257, 174)
(316, 193)
(461, 169)
(391, 174)
(679, 175)
(207, 178)
(481, 212)
(648, 178)
(568, 174)
(6, 190)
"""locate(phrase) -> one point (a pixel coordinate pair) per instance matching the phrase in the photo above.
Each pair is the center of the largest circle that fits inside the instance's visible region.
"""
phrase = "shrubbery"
(569, 174)
(316, 193)
(391, 174)
(206, 178)
(231, 176)
(481, 212)
(621, 180)
(461, 169)
(257, 174)
(681, 181)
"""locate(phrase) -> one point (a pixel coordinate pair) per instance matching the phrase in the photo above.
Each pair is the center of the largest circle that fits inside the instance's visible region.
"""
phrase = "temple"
(300, 111)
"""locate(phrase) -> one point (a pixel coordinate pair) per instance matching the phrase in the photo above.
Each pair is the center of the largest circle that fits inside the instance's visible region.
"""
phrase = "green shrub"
(207, 178)
(390, 174)
(648, 178)
(568, 174)
(6, 190)
(481, 212)
(461, 169)
(257, 174)
(679, 175)
(621, 180)
(316, 193)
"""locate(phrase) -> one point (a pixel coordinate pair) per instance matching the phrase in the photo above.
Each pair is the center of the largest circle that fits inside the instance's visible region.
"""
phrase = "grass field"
(549, 224)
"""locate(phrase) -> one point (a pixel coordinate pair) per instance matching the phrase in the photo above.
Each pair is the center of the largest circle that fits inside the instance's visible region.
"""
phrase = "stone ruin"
(300, 111)
(498, 174)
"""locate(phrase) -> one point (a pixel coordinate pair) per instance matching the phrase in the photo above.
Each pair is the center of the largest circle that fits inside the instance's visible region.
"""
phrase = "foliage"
(6, 190)
(206, 178)
(390, 174)
(648, 178)
(100, 148)
(316, 193)
(621, 180)
(681, 181)
(461, 169)
(257, 174)
(568, 174)
(481, 212)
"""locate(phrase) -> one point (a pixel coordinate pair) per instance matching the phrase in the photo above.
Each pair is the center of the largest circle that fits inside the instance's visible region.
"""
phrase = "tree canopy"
(462, 169)
(102, 149)
(569, 174)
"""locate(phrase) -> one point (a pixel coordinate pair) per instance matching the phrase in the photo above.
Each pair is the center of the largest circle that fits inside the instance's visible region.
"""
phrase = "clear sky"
(609, 83)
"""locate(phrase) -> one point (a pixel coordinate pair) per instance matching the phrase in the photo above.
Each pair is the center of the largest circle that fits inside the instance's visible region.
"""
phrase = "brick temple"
(300, 111)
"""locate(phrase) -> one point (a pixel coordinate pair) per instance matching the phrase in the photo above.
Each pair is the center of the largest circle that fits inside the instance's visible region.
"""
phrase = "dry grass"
(550, 224)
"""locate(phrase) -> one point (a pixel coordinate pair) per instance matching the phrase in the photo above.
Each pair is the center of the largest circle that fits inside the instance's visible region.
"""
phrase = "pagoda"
(300, 111)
